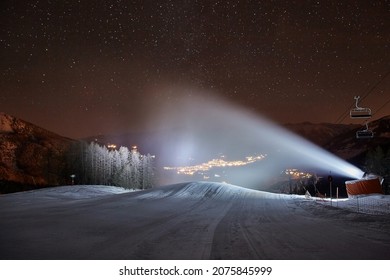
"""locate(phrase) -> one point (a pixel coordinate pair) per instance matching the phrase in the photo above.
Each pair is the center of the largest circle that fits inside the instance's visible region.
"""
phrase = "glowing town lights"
(134, 149)
(111, 146)
(214, 163)
(296, 174)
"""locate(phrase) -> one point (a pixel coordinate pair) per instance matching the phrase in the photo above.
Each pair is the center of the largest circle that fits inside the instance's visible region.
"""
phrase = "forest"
(94, 164)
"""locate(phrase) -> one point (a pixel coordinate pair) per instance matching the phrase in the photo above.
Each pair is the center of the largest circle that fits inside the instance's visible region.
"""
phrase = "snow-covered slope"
(65, 193)
(185, 221)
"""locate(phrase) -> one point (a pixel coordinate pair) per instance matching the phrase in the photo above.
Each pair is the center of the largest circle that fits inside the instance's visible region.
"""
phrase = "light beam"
(201, 127)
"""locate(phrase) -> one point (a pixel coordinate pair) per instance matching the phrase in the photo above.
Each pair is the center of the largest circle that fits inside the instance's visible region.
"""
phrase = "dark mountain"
(347, 146)
(340, 139)
(30, 156)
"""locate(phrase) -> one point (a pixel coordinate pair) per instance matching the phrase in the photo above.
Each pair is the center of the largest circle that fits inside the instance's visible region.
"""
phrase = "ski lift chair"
(365, 133)
(360, 112)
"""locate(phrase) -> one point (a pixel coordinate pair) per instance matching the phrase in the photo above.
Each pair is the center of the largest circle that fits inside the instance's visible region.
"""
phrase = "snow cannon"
(369, 184)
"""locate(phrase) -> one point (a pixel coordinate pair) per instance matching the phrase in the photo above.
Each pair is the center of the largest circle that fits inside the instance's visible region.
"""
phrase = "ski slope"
(199, 220)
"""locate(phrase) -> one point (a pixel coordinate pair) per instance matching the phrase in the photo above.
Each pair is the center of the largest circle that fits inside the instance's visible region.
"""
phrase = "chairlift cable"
(366, 133)
(345, 113)
(381, 107)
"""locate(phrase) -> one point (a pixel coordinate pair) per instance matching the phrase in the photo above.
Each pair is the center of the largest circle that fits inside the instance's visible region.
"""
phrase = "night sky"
(82, 68)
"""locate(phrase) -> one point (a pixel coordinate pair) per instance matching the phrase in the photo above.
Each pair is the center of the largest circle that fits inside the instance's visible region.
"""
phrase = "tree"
(376, 161)
(96, 164)
(122, 168)
(135, 167)
(147, 171)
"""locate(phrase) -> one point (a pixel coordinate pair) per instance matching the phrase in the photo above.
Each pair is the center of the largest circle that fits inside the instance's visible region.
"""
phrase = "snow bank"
(374, 204)
(70, 192)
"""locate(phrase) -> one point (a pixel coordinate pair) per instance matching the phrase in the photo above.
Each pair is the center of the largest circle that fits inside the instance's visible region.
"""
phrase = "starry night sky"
(81, 68)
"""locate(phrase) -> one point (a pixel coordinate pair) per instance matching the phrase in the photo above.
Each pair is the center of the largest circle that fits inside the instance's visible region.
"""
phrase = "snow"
(373, 204)
(198, 220)
(75, 192)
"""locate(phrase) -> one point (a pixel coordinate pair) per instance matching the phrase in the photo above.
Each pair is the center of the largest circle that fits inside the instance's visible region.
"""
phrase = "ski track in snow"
(199, 220)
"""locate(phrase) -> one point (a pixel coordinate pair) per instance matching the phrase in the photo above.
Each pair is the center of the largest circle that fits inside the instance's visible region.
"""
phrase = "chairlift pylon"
(359, 112)
(365, 133)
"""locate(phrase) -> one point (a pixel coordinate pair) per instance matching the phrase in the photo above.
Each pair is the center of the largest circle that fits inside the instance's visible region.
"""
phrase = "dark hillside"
(347, 146)
(30, 156)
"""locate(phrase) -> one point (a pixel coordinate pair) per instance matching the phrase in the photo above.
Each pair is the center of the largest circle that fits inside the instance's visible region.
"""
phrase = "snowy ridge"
(201, 190)
(210, 190)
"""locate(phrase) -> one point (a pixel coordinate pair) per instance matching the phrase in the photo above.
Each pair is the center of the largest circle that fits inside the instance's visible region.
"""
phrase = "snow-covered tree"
(376, 161)
(99, 165)
(147, 171)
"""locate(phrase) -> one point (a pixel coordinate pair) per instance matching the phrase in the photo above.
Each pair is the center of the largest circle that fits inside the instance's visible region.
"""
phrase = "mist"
(198, 126)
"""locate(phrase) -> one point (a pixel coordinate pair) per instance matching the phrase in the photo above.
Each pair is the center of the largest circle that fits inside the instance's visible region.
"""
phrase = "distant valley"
(32, 157)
